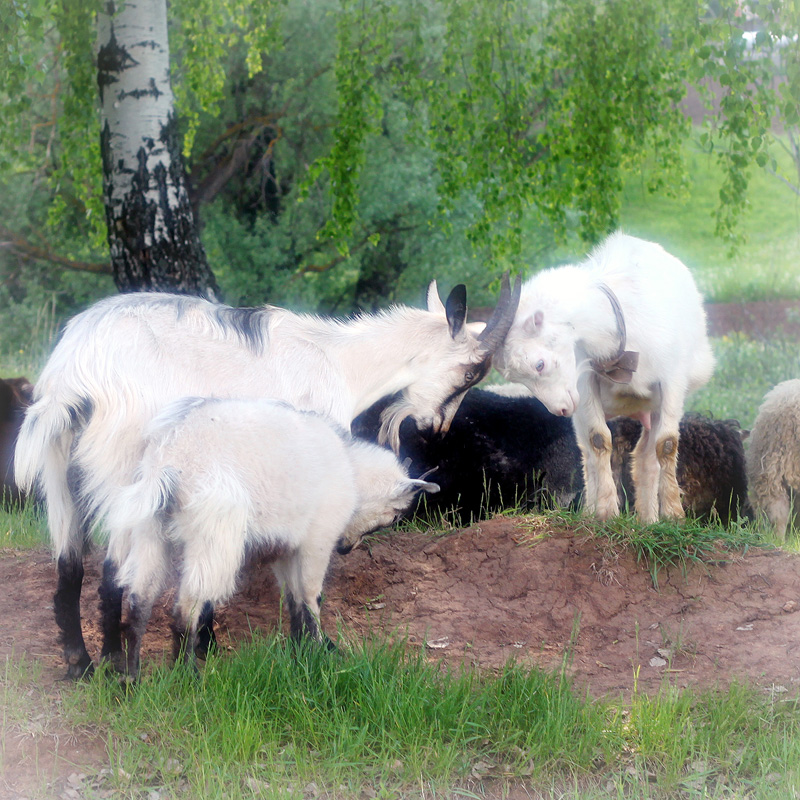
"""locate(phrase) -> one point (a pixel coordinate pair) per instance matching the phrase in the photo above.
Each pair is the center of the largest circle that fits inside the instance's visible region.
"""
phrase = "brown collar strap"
(618, 368)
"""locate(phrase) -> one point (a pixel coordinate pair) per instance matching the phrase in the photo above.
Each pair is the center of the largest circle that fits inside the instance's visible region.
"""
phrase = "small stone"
(76, 779)
(655, 661)
(790, 606)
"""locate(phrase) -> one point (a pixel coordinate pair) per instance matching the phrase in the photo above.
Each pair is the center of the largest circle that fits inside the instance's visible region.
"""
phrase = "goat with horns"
(569, 346)
(122, 360)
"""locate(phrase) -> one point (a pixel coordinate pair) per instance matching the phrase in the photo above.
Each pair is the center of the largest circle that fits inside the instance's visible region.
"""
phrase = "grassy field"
(375, 721)
(766, 266)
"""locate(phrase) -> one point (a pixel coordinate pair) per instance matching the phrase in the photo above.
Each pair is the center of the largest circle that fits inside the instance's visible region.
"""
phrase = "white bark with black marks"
(151, 229)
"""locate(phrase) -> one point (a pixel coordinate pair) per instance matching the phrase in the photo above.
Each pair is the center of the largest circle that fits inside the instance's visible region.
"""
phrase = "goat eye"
(468, 377)
(540, 365)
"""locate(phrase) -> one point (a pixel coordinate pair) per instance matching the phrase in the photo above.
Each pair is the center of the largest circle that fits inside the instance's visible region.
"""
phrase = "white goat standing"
(122, 360)
(205, 496)
(569, 345)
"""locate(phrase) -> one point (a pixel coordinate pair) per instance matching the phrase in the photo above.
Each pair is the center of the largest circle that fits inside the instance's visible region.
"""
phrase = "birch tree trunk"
(151, 229)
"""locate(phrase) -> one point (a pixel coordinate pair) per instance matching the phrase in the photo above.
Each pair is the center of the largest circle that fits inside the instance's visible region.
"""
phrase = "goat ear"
(423, 486)
(434, 301)
(533, 325)
(456, 309)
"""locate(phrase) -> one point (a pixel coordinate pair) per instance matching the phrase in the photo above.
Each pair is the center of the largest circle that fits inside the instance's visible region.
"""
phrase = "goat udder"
(643, 417)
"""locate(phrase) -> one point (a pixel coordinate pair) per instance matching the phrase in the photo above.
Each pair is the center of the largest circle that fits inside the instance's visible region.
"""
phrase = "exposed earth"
(504, 588)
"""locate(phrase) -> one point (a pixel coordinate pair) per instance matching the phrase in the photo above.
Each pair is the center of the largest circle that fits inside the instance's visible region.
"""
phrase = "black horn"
(493, 335)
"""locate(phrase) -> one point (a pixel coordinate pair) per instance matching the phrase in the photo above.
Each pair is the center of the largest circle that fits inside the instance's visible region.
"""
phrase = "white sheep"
(122, 360)
(220, 478)
(773, 458)
(622, 334)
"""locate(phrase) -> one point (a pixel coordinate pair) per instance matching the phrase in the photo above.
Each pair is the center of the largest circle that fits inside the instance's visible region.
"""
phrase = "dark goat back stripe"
(249, 324)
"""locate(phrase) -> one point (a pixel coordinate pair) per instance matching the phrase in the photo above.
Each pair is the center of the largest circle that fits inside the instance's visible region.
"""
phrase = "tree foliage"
(337, 149)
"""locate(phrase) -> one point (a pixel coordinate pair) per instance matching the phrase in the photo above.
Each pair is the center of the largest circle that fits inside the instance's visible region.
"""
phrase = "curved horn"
(456, 309)
(427, 472)
(493, 335)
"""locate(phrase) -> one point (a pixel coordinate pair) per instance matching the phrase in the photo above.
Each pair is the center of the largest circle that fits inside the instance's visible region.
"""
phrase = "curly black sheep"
(505, 450)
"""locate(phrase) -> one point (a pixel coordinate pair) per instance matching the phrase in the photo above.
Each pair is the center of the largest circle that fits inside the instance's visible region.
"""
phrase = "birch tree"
(521, 110)
(152, 235)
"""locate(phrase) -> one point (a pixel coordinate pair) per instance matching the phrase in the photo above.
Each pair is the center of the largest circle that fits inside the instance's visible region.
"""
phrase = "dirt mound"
(493, 592)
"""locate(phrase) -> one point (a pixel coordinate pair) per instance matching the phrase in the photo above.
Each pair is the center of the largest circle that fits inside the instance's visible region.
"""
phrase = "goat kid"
(569, 345)
(206, 495)
(500, 452)
(121, 361)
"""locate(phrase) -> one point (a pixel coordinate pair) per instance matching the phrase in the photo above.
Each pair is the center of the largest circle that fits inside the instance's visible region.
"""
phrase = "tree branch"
(308, 268)
(31, 252)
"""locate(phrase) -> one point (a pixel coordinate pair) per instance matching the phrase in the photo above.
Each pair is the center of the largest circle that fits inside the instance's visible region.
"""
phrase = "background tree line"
(339, 153)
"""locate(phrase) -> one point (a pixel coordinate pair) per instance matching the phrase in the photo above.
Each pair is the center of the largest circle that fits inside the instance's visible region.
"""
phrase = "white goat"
(121, 361)
(568, 346)
(207, 496)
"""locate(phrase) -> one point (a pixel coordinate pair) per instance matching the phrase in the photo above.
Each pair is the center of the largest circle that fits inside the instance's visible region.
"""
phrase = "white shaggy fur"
(565, 321)
(221, 477)
(121, 361)
(773, 458)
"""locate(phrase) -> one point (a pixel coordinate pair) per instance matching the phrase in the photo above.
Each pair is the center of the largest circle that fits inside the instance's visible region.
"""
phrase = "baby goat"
(207, 494)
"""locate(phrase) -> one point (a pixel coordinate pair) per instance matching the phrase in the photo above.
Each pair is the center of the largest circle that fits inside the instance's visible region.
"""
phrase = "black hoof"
(118, 662)
(79, 670)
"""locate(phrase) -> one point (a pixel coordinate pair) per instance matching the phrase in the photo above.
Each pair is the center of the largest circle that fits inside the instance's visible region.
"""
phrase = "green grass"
(745, 370)
(22, 526)
(766, 266)
(375, 720)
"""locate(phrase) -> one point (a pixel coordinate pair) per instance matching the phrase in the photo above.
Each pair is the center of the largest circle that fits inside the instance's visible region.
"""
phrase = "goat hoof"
(117, 660)
(80, 670)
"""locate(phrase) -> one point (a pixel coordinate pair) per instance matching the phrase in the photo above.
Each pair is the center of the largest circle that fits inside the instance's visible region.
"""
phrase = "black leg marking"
(111, 617)
(138, 616)
(183, 642)
(302, 623)
(304, 626)
(206, 640)
(67, 605)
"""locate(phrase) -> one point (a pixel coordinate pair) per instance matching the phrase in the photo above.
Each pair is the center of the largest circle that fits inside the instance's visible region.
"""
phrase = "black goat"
(503, 451)
(500, 452)
(16, 394)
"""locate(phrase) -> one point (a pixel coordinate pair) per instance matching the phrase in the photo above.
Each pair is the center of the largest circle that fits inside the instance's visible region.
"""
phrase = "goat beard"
(391, 420)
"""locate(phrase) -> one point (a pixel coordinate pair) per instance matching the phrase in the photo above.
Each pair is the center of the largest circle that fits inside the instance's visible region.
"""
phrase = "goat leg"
(111, 617)
(67, 605)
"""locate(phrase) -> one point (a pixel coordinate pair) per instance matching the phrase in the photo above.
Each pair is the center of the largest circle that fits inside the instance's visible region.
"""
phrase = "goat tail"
(45, 437)
(149, 498)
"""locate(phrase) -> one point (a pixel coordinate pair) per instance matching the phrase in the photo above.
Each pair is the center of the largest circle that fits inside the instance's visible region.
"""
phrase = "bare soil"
(505, 588)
